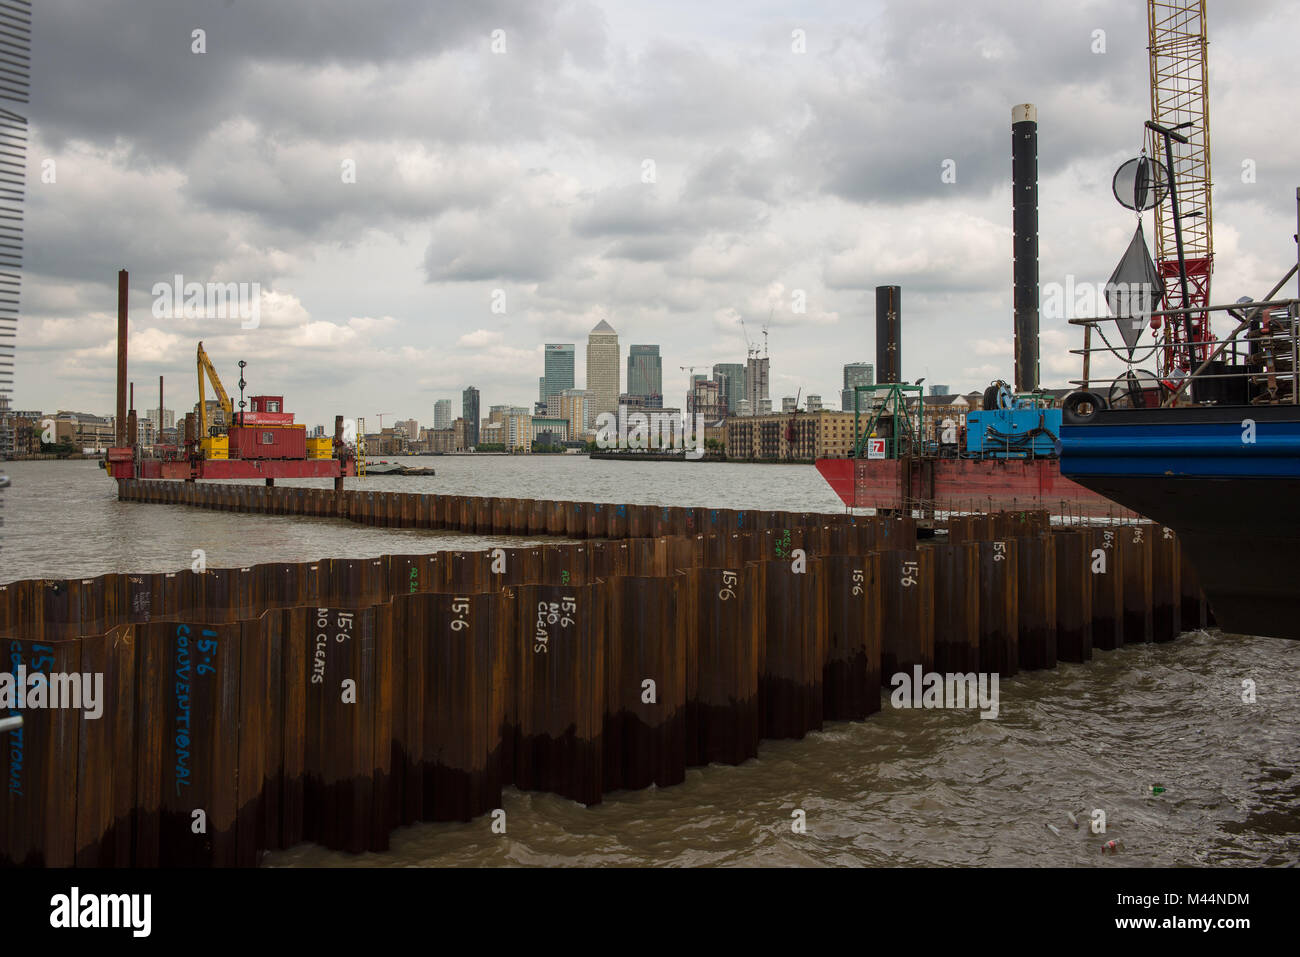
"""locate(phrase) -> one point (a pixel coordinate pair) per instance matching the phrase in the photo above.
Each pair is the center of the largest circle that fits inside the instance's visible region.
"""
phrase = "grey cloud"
(124, 68)
(523, 170)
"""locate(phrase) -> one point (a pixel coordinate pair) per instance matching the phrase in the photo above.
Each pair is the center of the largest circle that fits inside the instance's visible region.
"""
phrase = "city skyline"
(404, 250)
(853, 373)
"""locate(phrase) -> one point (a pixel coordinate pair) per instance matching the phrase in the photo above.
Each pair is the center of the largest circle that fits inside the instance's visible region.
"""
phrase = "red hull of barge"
(963, 485)
(233, 469)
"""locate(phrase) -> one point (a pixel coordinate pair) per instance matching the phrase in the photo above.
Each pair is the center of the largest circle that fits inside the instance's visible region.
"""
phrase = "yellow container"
(216, 447)
(322, 448)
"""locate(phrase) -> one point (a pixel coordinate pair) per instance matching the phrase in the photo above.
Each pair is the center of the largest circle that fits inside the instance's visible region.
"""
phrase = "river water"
(905, 787)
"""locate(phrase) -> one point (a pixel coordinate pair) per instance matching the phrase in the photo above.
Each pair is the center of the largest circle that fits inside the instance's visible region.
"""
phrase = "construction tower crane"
(205, 365)
(1180, 99)
(750, 350)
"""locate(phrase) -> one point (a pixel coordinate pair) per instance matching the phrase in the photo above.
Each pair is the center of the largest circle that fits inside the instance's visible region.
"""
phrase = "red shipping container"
(268, 443)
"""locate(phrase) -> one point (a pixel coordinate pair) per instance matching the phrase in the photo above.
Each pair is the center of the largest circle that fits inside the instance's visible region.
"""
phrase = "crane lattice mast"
(1180, 94)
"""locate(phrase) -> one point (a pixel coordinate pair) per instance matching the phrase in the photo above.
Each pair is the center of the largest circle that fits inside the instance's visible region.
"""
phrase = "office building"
(442, 414)
(603, 374)
(469, 412)
(730, 377)
(855, 374)
(558, 369)
(645, 371)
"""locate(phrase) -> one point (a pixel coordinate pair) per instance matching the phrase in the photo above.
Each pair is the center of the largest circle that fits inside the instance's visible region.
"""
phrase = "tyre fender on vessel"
(1078, 408)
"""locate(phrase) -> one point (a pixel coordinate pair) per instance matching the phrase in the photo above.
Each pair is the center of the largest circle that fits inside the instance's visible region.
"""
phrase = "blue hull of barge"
(1227, 480)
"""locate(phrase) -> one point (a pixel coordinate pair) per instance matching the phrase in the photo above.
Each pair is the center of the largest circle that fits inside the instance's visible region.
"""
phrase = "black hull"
(1241, 536)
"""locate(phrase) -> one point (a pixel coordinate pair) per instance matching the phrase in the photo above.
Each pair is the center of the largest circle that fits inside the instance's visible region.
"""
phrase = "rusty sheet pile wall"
(250, 709)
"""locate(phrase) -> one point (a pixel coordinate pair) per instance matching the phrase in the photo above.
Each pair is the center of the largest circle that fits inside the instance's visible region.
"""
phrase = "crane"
(1180, 100)
(381, 430)
(205, 365)
(750, 351)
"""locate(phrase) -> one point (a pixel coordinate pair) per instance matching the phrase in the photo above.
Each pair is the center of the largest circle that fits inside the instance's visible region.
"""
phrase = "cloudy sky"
(514, 170)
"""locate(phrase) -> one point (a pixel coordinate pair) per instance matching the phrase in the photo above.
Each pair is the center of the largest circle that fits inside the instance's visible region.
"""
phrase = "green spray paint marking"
(783, 544)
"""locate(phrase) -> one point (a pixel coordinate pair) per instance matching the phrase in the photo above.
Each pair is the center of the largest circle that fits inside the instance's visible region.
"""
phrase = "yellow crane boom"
(205, 364)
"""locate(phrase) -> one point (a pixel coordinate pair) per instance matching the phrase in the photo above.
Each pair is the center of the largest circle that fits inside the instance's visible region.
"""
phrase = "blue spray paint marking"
(205, 652)
(41, 661)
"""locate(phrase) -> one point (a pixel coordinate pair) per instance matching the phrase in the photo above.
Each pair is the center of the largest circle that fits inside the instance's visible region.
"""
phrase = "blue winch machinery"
(1012, 426)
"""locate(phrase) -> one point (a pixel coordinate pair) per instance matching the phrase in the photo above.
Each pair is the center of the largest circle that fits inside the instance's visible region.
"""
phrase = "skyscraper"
(469, 411)
(855, 374)
(645, 371)
(558, 369)
(756, 385)
(442, 414)
(730, 377)
(603, 374)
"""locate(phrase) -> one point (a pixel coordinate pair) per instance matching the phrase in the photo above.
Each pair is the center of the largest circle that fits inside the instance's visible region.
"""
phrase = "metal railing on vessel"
(1268, 365)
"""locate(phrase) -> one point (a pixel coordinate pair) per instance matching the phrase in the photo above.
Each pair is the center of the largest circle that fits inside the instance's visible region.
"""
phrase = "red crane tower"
(1180, 100)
